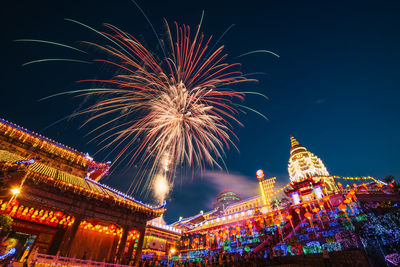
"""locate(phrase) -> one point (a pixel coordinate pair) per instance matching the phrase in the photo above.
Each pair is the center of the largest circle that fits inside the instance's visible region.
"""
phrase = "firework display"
(163, 111)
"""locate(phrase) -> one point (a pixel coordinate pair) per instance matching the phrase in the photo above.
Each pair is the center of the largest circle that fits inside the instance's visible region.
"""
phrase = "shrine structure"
(309, 178)
(58, 205)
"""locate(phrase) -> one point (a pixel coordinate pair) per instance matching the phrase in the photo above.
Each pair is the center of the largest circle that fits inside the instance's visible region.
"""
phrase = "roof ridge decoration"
(44, 138)
(123, 195)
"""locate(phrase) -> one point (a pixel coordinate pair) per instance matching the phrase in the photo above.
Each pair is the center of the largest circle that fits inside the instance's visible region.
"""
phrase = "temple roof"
(37, 141)
(228, 194)
(78, 184)
(86, 184)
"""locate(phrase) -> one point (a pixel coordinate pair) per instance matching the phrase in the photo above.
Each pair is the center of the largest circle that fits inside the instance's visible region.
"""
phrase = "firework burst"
(165, 112)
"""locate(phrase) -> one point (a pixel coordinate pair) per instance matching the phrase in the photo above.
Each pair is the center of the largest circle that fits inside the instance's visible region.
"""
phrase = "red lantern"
(307, 215)
(58, 215)
(315, 210)
(342, 207)
(14, 203)
(113, 227)
(297, 210)
(289, 217)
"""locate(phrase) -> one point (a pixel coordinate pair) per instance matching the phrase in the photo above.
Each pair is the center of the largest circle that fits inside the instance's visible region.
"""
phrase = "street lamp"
(15, 191)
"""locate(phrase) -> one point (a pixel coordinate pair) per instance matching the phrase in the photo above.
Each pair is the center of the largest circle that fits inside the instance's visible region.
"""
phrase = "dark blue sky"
(335, 86)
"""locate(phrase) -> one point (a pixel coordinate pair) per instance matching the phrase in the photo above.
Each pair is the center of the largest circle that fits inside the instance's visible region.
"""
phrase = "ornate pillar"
(122, 244)
(138, 254)
(112, 256)
(130, 251)
(71, 235)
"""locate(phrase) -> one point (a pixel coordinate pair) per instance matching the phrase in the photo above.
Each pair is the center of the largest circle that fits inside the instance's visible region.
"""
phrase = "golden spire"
(293, 141)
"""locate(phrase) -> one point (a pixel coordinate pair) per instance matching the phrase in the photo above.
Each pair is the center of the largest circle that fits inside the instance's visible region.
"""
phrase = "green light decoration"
(312, 249)
(289, 250)
(362, 218)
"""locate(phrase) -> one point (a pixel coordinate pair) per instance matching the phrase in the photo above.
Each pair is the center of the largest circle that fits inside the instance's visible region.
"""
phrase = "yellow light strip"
(262, 193)
(350, 178)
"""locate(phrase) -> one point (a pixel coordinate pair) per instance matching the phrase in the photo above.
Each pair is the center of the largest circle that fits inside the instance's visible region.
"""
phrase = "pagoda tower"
(305, 166)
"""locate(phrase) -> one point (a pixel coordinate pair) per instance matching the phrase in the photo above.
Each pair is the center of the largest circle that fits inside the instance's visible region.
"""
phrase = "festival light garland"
(352, 178)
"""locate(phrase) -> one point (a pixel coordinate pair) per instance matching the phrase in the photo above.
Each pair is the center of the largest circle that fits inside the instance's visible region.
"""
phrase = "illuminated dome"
(303, 163)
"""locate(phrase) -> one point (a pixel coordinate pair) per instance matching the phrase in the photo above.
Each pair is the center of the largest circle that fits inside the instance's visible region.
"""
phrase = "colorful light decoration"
(304, 230)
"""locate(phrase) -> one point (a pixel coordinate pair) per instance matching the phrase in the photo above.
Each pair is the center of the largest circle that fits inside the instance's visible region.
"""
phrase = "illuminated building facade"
(159, 239)
(267, 190)
(62, 208)
(322, 216)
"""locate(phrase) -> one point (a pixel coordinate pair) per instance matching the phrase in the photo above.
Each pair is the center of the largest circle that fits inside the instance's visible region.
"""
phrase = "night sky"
(335, 86)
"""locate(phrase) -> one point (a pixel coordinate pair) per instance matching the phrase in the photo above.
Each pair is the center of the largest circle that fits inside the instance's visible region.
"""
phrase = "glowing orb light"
(260, 174)
(15, 191)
